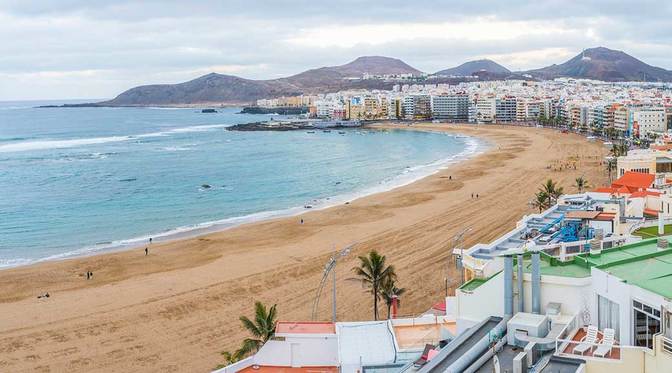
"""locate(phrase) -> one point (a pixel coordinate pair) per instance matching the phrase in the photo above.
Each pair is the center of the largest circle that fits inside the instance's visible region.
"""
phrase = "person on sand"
(476, 195)
(146, 251)
(472, 195)
(150, 240)
(301, 221)
(87, 275)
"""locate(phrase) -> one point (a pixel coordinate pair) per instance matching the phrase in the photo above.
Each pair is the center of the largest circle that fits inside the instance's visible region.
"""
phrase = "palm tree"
(262, 328)
(552, 191)
(373, 272)
(581, 183)
(620, 149)
(540, 200)
(389, 290)
(611, 166)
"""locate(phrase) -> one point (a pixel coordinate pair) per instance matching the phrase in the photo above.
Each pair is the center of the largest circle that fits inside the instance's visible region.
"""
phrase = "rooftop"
(305, 327)
(279, 369)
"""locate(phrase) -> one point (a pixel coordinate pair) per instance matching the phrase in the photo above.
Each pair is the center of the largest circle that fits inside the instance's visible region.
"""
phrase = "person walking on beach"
(472, 195)
(146, 251)
(476, 195)
(150, 240)
(301, 221)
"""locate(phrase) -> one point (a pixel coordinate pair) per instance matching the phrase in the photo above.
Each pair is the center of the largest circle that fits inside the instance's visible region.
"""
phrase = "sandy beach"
(176, 309)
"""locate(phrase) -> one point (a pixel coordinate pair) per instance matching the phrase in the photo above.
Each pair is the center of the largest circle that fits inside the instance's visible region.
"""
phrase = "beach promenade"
(178, 307)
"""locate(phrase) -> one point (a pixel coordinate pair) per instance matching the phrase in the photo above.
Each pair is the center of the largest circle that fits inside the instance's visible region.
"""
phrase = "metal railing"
(564, 344)
(667, 344)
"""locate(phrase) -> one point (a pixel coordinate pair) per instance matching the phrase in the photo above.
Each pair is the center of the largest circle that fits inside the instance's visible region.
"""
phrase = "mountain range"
(595, 63)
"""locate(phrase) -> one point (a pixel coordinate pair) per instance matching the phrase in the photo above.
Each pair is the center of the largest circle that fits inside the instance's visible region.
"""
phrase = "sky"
(79, 49)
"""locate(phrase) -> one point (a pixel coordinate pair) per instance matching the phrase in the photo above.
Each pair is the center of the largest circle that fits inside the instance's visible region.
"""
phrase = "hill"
(604, 64)
(218, 88)
(472, 67)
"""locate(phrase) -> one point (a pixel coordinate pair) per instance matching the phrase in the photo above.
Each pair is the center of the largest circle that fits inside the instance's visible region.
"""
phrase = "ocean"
(77, 181)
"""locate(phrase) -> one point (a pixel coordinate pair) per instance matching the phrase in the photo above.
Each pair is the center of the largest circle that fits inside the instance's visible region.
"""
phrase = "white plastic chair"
(606, 344)
(587, 341)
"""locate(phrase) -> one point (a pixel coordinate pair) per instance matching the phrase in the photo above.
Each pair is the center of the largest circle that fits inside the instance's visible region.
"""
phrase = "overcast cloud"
(96, 49)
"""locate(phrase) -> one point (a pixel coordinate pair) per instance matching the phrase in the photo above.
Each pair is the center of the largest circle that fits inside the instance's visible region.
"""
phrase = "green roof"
(474, 283)
(650, 270)
(640, 263)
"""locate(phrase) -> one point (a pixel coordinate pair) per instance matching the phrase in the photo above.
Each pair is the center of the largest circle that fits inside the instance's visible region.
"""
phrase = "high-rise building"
(505, 109)
(452, 107)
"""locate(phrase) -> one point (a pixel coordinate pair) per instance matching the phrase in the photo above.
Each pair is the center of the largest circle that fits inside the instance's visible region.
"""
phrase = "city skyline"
(97, 50)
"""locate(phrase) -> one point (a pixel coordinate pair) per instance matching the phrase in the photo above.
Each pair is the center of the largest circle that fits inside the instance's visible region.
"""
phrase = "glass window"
(646, 323)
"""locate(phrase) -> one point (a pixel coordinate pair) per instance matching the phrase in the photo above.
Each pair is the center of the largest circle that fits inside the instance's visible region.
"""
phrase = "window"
(608, 315)
(646, 323)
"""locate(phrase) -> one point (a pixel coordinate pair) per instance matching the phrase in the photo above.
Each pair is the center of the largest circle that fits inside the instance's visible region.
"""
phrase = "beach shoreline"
(473, 147)
(178, 307)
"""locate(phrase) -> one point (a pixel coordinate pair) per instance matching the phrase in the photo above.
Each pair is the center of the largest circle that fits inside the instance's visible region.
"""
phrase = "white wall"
(614, 289)
(572, 293)
(299, 352)
(485, 301)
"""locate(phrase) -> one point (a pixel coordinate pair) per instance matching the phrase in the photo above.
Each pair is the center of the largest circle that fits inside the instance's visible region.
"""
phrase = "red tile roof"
(644, 193)
(651, 212)
(634, 181)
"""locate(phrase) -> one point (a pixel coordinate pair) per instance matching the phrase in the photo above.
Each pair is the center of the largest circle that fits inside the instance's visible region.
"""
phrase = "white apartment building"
(649, 120)
(486, 108)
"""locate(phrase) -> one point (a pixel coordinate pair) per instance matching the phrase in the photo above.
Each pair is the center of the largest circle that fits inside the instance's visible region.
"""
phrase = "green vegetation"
(261, 328)
(581, 183)
(650, 232)
(547, 195)
(389, 290)
(373, 273)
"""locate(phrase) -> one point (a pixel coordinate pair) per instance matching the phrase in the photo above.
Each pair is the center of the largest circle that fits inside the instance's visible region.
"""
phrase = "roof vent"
(662, 244)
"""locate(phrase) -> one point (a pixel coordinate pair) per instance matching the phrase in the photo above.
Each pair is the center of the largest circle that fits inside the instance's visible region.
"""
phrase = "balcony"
(565, 347)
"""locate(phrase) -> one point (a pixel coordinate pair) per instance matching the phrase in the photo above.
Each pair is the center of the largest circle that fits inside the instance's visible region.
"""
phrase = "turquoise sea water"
(80, 180)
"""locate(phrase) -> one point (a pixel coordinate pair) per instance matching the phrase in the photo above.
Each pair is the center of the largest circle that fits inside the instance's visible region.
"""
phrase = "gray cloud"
(75, 48)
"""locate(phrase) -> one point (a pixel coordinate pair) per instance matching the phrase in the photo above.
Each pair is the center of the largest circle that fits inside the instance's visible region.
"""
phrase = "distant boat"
(341, 132)
(326, 131)
(310, 131)
(208, 111)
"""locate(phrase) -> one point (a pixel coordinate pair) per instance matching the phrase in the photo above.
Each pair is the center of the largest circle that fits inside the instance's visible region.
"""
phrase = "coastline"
(177, 308)
(473, 147)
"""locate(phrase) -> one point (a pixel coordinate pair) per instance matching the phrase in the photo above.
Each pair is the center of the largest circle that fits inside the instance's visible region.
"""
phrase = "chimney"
(661, 224)
(395, 307)
(536, 282)
(508, 285)
(521, 292)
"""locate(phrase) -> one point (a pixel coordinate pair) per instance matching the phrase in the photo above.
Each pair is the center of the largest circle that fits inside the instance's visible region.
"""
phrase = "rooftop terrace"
(641, 263)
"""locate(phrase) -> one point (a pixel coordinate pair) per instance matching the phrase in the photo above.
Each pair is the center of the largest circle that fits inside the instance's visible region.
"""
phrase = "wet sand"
(177, 308)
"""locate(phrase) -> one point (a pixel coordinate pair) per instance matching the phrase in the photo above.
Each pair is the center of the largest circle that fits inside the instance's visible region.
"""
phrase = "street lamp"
(457, 243)
(330, 267)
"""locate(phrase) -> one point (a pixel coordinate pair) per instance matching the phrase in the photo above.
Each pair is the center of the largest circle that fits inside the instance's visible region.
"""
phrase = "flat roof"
(652, 272)
(279, 369)
(570, 269)
(473, 284)
(582, 214)
(305, 327)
